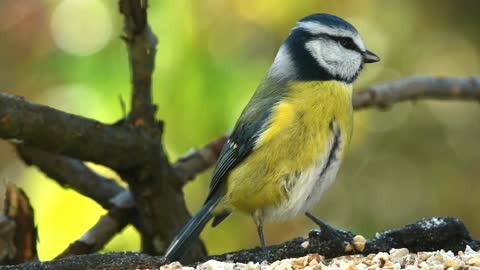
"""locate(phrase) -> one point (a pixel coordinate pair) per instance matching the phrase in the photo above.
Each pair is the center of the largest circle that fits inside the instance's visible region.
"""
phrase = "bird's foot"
(338, 238)
(265, 256)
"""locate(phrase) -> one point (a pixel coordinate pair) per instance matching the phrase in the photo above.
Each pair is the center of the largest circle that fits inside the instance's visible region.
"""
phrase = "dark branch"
(72, 173)
(71, 135)
(114, 260)
(425, 235)
(160, 203)
(141, 44)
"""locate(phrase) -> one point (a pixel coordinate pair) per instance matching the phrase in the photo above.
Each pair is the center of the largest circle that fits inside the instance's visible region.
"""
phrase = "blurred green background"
(416, 160)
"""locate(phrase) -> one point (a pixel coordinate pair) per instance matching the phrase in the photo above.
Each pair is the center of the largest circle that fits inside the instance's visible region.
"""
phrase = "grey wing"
(237, 148)
(241, 141)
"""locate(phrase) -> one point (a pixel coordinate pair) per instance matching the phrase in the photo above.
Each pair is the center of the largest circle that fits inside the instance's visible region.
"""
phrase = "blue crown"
(329, 20)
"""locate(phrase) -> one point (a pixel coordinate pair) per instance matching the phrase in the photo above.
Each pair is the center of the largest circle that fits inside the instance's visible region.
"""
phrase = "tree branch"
(160, 204)
(413, 88)
(71, 135)
(113, 260)
(75, 174)
(141, 44)
(72, 173)
(424, 235)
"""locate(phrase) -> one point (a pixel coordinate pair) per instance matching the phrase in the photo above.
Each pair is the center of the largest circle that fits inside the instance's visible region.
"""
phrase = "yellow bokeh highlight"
(78, 34)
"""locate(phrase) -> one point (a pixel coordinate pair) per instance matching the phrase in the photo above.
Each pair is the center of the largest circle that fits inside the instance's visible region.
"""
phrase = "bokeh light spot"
(78, 34)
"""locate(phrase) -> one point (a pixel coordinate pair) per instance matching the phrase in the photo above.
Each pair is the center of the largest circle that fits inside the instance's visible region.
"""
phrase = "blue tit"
(288, 144)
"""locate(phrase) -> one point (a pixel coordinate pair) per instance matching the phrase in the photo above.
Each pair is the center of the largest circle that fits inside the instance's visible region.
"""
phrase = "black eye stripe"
(346, 42)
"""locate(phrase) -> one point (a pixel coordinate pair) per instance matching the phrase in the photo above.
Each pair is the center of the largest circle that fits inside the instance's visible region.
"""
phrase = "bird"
(288, 143)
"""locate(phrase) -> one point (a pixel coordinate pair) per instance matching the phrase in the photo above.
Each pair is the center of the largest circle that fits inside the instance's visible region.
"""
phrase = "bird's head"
(322, 47)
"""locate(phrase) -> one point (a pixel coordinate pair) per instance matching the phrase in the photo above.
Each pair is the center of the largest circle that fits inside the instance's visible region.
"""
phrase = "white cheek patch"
(316, 28)
(283, 66)
(317, 51)
(337, 60)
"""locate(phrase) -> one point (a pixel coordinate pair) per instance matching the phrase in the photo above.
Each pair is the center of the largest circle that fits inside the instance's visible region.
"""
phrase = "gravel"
(395, 259)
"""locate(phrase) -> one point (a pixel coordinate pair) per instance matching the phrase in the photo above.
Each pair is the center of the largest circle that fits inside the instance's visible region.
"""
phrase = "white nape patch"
(334, 58)
(316, 28)
(308, 188)
(282, 66)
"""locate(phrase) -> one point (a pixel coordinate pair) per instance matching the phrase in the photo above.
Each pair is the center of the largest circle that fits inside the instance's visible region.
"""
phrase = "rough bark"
(424, 235)
(160, 203)
(71, 173)
(18, 234)
(75, 136)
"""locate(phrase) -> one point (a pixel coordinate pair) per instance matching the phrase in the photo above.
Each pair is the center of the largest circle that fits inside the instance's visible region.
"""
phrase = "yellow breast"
(297, 134)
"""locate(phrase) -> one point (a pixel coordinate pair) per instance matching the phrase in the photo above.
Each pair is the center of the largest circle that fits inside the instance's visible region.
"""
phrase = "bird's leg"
(258, 219)
(330, 233)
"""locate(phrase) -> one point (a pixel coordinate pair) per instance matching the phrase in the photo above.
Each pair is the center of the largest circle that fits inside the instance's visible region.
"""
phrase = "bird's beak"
(369, 57)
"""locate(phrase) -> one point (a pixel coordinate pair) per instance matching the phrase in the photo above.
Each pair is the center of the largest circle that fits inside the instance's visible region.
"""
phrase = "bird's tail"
(190, 231)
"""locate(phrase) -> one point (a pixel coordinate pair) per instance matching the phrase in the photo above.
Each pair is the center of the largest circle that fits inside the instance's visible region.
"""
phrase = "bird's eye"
(347, 43)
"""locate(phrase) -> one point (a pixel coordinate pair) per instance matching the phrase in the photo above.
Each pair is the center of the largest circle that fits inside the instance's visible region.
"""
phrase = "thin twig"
(107, 226)
(413, 88)
(198, 160)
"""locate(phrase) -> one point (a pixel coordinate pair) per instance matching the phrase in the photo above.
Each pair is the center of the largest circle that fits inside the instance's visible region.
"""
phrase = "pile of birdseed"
(395, 259)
